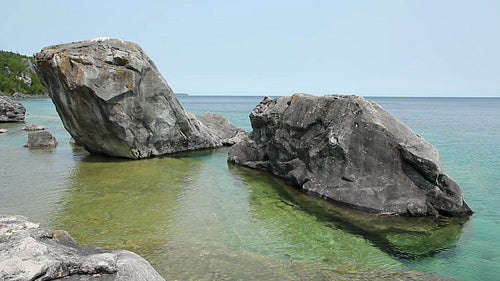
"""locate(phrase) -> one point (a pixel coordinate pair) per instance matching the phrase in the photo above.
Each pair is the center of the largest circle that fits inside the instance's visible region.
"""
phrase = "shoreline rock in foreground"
(351, 151)
(113, 100)
(11, 110)
(30, 253)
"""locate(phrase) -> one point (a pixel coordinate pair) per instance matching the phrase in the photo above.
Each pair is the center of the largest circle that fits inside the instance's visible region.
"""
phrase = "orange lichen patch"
(65, 64)
(42, 59)
(57, 233)
(124, 78)
(79, 76)
(81, 61)
(297, 95)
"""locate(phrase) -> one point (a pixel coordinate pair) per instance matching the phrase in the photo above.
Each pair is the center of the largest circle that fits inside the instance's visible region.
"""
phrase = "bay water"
(193, 216)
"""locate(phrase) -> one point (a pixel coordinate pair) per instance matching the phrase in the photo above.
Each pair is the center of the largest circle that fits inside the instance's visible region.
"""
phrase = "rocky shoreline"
(11, 110)
(19, 95)
(28, 252)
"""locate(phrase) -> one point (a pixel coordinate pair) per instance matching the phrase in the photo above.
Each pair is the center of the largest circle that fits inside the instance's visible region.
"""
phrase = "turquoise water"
(194, 217)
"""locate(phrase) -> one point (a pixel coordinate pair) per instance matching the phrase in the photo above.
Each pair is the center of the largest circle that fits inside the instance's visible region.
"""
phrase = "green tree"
(12, 67)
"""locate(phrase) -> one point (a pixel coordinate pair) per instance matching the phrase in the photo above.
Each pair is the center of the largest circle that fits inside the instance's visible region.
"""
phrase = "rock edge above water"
(41, 139)
(113, 100)
(11, 110)
(349, 150)
(28, 252)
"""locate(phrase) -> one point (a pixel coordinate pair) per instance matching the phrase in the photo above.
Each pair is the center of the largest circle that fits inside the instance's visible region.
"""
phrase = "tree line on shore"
(17, 75)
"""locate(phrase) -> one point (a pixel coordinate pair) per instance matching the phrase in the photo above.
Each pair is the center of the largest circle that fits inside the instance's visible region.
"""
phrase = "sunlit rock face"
(349, 150)
(28, 252)
(113, 100)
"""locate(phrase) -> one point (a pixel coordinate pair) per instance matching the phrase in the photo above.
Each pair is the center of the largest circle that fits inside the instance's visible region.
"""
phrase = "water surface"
(195, 217)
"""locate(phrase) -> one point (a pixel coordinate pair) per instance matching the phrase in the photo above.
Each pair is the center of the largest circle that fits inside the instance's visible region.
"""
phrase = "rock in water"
(349, 150)
(113, 100)
(222, 128)
(11, 111)
(30, 253)
(34, 127)
(41, 139)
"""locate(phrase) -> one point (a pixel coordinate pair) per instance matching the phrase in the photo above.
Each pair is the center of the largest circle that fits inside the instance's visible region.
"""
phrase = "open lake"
(193, 216)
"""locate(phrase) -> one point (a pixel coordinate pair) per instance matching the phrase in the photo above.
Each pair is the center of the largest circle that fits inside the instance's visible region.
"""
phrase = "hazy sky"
(396, 48)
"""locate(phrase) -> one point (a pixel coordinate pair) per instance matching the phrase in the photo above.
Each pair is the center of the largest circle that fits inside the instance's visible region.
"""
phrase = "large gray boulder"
(11, 110)
(28, 252)
(113, 100)
(349, 150)
(41, 139)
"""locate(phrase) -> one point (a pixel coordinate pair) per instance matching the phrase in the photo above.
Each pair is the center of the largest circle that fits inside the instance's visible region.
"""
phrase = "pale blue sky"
(395, 48)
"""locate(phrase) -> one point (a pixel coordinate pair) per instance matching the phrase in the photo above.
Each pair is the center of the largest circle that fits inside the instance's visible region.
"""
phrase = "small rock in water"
(40, 139)
(73, 142)
(34, 127)
(2, 131)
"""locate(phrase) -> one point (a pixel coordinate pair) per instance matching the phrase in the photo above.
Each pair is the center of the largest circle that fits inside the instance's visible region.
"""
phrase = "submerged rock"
(11, 111)
(349, 150)
(28, 252)
(34, 127)
(113, 100)
(41, 139)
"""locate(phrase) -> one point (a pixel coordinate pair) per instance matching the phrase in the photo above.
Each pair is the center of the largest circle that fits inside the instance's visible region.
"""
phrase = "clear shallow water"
(193, 216)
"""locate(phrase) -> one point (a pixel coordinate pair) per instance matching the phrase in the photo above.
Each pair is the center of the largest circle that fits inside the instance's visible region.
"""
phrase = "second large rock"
(113, 100)
(351, 151)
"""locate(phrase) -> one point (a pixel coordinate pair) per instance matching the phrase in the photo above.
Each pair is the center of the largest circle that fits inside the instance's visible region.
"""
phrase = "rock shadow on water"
(123, 204)
(403, 238)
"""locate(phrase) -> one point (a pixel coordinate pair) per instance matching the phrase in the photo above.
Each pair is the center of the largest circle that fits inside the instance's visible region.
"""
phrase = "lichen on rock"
(113, 100)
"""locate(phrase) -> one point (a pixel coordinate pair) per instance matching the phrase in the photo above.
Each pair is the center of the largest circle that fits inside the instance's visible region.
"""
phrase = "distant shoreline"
(19, 95)
(24, 96)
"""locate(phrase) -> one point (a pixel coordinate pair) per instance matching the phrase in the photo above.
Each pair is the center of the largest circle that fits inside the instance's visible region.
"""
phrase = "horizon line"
(363, 95)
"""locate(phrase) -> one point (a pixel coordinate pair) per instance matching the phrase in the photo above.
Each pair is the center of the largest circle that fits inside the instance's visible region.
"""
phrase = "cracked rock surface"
(349, 150)
(11, 110)
(28, 252)
(113, 100)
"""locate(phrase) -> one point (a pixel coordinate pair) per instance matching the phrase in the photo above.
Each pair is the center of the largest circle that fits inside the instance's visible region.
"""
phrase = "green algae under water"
(193, 216)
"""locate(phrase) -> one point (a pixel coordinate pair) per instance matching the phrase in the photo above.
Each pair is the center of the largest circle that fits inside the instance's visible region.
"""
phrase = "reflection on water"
(403, 237)
(127, 204)
(194, 217)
